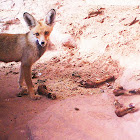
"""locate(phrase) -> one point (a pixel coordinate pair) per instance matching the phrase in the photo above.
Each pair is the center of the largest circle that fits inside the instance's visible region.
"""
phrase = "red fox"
(27, 48)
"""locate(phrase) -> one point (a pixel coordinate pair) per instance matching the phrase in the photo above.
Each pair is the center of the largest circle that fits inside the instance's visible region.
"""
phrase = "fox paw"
(23, 91)
(35, 97)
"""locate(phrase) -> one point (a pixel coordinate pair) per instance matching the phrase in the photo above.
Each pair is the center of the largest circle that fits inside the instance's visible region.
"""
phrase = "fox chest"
(32, 53)
(40, 50)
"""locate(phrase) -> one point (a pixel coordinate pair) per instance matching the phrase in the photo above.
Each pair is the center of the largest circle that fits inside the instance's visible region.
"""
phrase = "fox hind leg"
(21, 77)
(23, 89)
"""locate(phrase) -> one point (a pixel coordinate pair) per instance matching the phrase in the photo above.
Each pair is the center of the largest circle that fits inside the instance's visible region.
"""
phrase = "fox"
(28, 48)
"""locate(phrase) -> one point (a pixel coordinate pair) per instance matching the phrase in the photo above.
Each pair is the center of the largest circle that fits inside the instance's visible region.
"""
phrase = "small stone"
(51, 96)
(110, 87)
(102, 91)
(77, 109)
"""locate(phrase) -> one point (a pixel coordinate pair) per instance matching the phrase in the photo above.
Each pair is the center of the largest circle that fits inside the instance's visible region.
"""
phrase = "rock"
(42, 90)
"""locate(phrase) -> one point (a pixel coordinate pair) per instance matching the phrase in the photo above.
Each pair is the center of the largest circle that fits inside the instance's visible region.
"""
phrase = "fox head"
(41, 30)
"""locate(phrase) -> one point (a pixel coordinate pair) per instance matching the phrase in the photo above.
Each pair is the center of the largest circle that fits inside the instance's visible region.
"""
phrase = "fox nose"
(42, 43)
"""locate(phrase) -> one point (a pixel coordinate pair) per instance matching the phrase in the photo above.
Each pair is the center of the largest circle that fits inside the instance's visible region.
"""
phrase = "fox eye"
(46, 32)
(37, 34)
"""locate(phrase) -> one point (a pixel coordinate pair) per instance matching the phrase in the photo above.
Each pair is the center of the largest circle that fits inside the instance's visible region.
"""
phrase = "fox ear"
(50, 18)
(30, 20)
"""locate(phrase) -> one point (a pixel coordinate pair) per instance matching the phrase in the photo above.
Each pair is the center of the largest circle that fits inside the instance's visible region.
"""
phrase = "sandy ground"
(90, 42)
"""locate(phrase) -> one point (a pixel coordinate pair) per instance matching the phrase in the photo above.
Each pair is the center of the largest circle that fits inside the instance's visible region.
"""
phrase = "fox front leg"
(28, 80)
